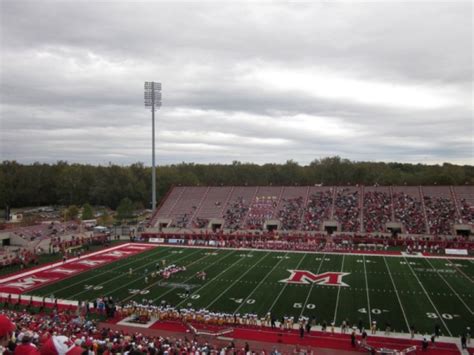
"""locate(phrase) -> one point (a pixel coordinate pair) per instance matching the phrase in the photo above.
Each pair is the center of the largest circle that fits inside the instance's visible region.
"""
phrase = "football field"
(402, 291)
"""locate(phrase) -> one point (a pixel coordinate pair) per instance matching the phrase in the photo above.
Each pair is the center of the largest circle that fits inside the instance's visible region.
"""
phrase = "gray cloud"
(264, 82)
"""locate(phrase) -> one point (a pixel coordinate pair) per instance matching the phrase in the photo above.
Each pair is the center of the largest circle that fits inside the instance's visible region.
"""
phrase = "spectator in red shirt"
(6, 330)
(26, 347)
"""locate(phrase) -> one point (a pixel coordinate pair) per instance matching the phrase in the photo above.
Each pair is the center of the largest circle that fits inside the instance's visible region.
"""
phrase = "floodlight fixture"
(153, 101)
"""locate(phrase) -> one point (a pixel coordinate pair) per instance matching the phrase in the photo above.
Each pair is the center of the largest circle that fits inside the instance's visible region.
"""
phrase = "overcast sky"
(255, 82)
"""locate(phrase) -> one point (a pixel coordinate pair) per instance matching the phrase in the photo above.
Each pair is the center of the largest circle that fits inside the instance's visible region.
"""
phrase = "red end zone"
(29, 280)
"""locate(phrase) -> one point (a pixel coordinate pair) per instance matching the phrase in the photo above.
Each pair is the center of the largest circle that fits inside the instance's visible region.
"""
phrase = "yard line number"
(373, 310)
(300, 305)
(240, 300)
(446, 316)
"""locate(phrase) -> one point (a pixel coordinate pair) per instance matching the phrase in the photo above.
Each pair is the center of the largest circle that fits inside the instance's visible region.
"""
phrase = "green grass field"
(403, 291)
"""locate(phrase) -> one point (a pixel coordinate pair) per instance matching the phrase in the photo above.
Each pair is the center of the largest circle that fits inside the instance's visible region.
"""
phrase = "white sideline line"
(284, 287)
(260, 283)
(121, 275)
(210, 280)
(447, 283)
(429, 298)
(61, 263)
(367, 288)
(228, 288)
(311, 288)
(102, 273)
(396, 292)
(338, 292)
(468, 258)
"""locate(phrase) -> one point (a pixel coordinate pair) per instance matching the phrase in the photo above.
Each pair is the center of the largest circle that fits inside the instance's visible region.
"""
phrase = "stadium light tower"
(153, 101)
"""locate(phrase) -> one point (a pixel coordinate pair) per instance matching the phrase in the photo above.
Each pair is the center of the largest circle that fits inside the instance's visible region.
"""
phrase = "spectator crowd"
(290, 213)
(377, 211)
(441, 214)
(347, 210)
(409, 211)
(318, 209)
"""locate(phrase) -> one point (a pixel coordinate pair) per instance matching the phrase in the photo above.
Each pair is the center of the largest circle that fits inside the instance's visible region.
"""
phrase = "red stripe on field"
(30, 279)
(47, 264)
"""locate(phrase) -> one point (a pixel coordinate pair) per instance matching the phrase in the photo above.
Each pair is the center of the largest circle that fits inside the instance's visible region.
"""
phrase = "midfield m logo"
(307, 277)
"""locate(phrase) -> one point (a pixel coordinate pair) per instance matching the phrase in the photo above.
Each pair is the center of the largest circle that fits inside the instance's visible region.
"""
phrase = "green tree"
(105, 219)
(87, 212)
(71, 213)
(125, 209)
(40, 184)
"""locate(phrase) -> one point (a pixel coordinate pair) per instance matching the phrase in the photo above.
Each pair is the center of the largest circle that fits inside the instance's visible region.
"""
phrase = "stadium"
(332, 257)
(236, 177)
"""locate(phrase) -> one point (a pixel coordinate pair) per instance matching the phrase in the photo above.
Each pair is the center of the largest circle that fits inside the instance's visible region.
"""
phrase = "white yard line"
(233, 283)
(207, 282)
(151, 285)
(398, 296)
(284, 287)
(447, 283)
(367, 289)
(193, 276)
(312, 285)
(104, 272)
(338, 292)
(429, 298)
(260, 283)
(125, 273)
(462, 272)
(157, 282)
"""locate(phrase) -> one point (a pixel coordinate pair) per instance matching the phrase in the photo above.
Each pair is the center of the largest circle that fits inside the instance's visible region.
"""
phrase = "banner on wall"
(456, 252)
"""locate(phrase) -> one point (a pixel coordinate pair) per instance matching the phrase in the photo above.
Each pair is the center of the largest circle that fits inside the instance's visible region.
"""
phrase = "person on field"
(364, 337)
(424, 344)
(353, 337)
(344, 327)
(373, 328)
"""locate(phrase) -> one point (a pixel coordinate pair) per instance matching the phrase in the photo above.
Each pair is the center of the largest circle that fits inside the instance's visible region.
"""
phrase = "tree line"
(63, 183)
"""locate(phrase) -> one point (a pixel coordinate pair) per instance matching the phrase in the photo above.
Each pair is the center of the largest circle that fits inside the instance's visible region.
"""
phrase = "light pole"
(153, 100)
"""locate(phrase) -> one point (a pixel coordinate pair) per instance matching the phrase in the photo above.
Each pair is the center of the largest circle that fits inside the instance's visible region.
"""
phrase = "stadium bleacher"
(378, 209)
(433, 210)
